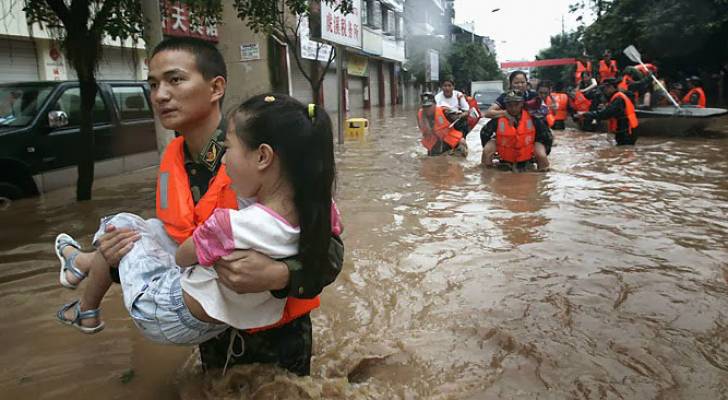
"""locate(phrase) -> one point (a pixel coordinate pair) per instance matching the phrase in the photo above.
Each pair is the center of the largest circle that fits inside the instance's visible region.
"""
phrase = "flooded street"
(605, 278)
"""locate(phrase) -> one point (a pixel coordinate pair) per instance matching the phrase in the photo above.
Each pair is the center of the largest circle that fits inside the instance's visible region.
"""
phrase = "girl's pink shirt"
(214, 239)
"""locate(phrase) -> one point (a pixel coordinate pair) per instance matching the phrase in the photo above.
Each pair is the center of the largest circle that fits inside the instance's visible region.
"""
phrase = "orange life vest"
(647, 68)
(628, 110)
(607, 71)
(181, 216)
(440, 131)
(550, 118)
(701, 97)
(474, 113)
(562, 101)
(624, 86)
(580, 102)
(550, 115)
(515, 144)
(580, 67)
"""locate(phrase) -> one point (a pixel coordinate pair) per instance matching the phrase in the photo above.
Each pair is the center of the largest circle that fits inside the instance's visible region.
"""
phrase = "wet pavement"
(605, 278)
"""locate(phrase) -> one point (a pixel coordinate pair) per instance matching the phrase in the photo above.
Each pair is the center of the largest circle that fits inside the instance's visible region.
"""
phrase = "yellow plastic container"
(356, 128)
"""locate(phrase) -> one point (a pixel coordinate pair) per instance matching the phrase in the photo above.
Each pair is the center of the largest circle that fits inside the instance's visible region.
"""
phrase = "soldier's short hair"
(208, 59)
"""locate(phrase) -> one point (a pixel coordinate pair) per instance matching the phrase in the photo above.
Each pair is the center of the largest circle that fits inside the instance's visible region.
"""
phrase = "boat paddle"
(634, 55)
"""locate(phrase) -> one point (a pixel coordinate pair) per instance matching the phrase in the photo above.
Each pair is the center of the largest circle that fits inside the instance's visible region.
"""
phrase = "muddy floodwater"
(606, 278)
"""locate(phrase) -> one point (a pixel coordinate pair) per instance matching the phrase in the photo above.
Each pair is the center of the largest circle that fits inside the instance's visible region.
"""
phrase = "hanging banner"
(357, 65)
(335, 27)
(538, 63)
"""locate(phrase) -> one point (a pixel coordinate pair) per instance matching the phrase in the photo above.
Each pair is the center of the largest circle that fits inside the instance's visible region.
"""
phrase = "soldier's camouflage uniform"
(288, 346)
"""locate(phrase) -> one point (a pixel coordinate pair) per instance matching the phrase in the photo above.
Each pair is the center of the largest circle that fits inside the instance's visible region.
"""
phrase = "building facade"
(28, 53)
(427, 36)
(372, 66)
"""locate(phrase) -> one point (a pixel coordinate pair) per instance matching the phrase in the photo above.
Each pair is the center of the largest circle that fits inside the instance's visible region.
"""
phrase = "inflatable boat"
(670, 121)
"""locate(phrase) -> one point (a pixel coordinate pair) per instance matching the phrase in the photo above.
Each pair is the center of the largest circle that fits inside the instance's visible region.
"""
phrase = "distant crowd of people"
(521, 119)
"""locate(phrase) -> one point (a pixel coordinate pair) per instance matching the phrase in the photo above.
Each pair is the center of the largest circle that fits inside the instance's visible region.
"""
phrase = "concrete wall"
(245, 78)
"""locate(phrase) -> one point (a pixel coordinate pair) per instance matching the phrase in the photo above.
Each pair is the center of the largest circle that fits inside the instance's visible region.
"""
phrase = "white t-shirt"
(456, 101)
(255, 227)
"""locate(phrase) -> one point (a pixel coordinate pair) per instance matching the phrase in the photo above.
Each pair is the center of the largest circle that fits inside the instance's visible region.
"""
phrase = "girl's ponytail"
(302, 137)
(313, 186)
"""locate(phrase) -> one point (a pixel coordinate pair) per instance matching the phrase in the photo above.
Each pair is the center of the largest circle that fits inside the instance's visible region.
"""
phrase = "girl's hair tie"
(312, 112)
(269, 99)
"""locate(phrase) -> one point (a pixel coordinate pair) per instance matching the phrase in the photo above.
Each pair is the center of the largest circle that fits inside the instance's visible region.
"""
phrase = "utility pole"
(152, 37)
(340, 106)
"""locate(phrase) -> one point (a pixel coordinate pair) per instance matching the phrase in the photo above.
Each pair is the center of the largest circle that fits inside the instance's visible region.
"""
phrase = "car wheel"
(8, 193)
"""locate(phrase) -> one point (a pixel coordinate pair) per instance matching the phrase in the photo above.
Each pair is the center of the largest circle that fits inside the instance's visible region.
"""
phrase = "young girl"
(280, 160)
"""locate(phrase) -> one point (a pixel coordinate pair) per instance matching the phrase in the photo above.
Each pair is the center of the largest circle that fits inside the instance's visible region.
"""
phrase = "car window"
(131, 102)
(20, 104)
(70, 103)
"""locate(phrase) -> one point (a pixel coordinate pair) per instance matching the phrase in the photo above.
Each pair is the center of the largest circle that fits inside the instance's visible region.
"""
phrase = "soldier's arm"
(613, 110)
(305, 286)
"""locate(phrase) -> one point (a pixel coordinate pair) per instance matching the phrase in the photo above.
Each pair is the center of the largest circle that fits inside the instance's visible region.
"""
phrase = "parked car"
(486, 99)
(39, 133)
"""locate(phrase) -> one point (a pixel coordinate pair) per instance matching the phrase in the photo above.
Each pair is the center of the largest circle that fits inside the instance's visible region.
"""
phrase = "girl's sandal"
(80, 316)
(62, 241)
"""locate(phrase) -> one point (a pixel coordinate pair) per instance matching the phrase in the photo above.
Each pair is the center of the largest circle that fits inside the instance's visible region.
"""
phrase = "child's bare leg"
(82, 262)
(99, 281)
(542, 160)
(488, 153)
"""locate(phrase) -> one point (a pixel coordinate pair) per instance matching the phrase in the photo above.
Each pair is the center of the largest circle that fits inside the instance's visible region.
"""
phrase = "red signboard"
(179, 22)
(538, 63)
(54, 53)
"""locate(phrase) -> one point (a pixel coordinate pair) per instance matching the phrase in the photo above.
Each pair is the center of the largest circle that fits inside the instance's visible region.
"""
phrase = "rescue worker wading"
(515, 136)
(455, 105)
(438, 134)
(607, 67)
(558, 103)
(586, 98)
(187, 77)
(544, 92)
(582, 65)
(619, 112)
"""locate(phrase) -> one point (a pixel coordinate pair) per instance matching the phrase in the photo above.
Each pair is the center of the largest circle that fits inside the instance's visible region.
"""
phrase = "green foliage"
(278, 17)
(264, 16)
(85, 23)
(562, 46)
(472, 62)
(682, 36)
(464, 62)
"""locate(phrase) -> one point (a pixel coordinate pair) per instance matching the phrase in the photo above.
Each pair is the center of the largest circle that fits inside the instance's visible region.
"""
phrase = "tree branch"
(328, 64)
(101, 17)
(61, 11)
(294, 43)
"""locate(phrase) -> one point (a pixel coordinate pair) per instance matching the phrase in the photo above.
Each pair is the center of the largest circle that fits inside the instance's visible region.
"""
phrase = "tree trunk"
(85, 57)
(85, 148)
(317, 83)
